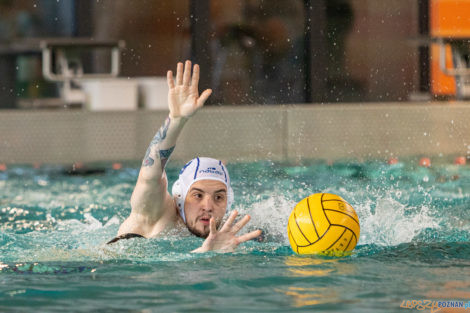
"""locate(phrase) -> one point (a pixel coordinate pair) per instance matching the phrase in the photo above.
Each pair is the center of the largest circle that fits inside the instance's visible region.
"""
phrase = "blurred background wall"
(251, 51)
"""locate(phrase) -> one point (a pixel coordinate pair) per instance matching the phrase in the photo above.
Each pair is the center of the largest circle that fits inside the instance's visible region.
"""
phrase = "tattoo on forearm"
(148, 161)
(159, 137)
(161, 133)
(165, 155)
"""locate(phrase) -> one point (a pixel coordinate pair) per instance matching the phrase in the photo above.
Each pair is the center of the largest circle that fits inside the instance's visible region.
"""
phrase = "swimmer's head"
(202, 191)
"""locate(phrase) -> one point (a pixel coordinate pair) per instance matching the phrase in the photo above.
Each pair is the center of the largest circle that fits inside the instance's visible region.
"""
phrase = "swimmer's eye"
(220, 197)
(197, 195)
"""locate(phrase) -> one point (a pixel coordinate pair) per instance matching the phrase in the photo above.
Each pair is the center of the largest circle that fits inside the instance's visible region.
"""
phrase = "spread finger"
(230, 220)
(169, 79)
(213, 228)
(240, 224)
(195, 79)
(187, 73)
(203, 97)
(249, 236)
(179, 73)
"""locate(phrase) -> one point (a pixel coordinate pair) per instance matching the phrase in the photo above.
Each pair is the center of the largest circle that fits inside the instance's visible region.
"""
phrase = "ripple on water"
(415, 230)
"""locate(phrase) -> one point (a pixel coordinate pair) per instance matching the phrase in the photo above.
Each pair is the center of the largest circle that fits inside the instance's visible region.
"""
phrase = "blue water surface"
(414, 243)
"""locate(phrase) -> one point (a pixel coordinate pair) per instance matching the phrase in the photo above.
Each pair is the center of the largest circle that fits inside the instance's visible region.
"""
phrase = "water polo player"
(201, 195)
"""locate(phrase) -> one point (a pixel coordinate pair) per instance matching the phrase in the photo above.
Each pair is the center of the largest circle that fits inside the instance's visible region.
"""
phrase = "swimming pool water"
(414, 244)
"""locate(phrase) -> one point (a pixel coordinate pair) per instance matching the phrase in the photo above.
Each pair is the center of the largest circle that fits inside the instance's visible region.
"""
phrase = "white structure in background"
(95, 91)
(110, 94)
(98, 91)
(153, 93)
(461, 70)
(68, 92)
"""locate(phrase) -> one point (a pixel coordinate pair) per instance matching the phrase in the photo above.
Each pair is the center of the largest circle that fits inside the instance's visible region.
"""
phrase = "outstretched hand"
(225, 239)
(183, 96)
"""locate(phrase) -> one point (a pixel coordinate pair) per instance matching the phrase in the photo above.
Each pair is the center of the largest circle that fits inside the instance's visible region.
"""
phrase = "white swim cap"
(199, 169)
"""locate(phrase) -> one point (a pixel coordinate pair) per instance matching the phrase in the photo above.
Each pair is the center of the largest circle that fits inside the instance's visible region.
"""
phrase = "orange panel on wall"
(441, 84)
(449, 18)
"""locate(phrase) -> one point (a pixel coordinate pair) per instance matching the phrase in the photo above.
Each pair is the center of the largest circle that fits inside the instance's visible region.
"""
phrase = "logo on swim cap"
(200, 169)
(211, 170)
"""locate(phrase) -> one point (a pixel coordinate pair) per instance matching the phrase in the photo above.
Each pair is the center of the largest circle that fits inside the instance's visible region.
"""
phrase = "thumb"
(203, 97)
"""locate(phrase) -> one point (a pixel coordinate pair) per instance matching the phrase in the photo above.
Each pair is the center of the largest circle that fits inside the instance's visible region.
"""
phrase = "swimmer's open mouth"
(205, 220)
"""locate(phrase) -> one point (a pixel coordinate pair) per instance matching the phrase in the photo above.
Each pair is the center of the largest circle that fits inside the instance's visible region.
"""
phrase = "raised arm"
(183, 102)
(150, 198)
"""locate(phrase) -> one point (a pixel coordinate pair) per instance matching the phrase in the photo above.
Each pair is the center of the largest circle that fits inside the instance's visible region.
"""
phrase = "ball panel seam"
(326, 232)
(323, 208)
(293, 239)
(339, 237)
(346, 228)
(350, 240)
(341, 212)
(295, 218)
(311, 218)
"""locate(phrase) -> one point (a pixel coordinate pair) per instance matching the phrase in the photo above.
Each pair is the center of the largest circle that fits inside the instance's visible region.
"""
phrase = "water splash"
(70, 218)
(271, 217)
(392, 223)
(384, 221)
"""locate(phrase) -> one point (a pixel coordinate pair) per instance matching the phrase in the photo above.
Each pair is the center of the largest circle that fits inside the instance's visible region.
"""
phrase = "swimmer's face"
(205, 199)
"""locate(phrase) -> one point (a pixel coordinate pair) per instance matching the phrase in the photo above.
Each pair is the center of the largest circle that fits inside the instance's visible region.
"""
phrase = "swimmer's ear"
(224, 162)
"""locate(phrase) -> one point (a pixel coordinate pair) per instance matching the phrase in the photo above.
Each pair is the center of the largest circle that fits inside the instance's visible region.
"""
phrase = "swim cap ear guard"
(200, 169)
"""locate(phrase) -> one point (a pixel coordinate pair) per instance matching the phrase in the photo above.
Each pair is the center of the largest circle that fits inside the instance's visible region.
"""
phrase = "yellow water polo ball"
(323, 222)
